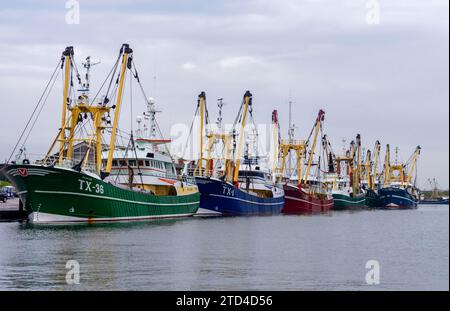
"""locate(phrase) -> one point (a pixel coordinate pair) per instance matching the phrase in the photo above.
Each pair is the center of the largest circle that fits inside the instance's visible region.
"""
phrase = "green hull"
(62, 195)
(373, 199)
(343, 202)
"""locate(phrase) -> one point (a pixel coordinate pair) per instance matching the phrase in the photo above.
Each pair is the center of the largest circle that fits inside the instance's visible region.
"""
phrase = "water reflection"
(320, 252)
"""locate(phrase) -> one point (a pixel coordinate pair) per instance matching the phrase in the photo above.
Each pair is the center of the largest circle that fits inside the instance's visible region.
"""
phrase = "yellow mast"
(126, 50)
(275, 136)
(67, 55)
(387, 166)
(357, 171)
(413, 164)
(375, 164)
(368, 170)
(201, 102)
(247, 103)
(319, 119)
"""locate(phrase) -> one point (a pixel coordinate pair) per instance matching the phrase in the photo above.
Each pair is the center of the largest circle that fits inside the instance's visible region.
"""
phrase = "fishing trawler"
(307, 195)
(99, 184)
(347, 192)
(228, 185)
(436, 197)
(371, 182)
(398, 191)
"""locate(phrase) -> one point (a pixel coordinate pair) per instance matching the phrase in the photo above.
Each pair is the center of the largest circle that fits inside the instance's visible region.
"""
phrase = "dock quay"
(11, 210)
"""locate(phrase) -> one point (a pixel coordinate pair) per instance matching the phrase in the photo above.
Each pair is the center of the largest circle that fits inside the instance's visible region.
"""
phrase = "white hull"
(46, 218)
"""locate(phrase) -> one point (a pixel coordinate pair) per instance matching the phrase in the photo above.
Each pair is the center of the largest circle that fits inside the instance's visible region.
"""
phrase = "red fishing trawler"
(307, 195)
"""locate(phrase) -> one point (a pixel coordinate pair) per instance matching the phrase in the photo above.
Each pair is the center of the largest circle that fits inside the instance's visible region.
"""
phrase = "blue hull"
(221, 197)
(397, 198)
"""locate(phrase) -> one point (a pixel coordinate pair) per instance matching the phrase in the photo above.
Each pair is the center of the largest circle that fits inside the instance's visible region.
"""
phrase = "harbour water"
(325, 252)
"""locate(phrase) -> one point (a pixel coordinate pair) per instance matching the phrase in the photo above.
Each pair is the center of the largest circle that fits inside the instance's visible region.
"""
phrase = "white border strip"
(342, 200)
(39, 217)
(242, 200)
(301, 200)
(113, 199)
(397, 196)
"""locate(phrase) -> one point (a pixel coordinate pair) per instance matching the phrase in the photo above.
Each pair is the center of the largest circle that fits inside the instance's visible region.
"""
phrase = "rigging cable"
(39, 112)
(34, 110)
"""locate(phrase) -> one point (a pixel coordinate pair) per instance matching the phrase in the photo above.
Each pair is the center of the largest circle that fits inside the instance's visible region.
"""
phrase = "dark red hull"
(297, 201)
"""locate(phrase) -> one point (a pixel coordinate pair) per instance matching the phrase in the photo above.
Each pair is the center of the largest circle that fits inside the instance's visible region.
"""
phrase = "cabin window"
(169, 168)
(114, 163)
(147, 163)
(123, 163)
(150, 155)
(132, 162)
(141, 163)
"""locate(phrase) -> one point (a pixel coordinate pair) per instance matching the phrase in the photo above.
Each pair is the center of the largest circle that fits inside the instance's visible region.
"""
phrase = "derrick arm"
(357, 171)
(413, 164)
(317, 124)
(369, 175)
(387, 166)
(67, 64)
(276, 143)
(202, 105)
(375, 163)
(126, 52)
(246, 104)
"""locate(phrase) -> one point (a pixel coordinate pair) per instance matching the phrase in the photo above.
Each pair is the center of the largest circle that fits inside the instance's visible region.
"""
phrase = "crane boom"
(317, 124)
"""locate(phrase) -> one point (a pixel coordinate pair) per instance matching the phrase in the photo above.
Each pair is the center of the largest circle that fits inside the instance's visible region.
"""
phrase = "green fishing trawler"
(99, 181)
(358, 188)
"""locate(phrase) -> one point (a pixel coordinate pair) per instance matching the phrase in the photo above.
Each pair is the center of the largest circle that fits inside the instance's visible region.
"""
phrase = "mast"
(87, 64)
(413, 164)
(201, 102)
(387, 166)
(67, 64)
(377, 150)
(150, 115)
(368, 170)
(350, 160)
(220, 105)
(276, 142)
(290, 137)
(246, 104)
(317, 124)
(126, 55)
(357, 171)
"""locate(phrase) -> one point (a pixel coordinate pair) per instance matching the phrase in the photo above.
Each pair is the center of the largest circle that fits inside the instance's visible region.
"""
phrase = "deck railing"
(39, 159)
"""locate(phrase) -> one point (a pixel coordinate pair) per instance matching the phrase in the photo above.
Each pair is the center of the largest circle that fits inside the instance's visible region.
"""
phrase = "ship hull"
(297, 201)
(345, 202)
(220, 198)
(397, 198)
(54, 195)
(373, 199)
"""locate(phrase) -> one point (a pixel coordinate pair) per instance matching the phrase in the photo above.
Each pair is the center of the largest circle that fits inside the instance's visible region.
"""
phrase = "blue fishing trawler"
(233, 184)
(255, 196)
(436, 198)
(398, 192)
(395, 197)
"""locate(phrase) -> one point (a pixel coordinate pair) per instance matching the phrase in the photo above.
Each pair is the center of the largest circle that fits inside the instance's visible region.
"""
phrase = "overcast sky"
(387, 81)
